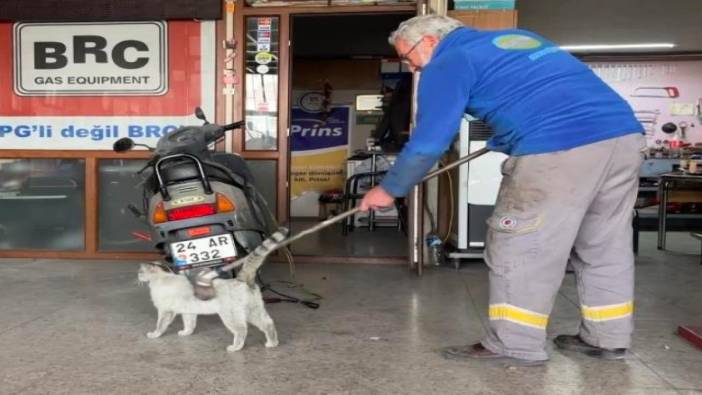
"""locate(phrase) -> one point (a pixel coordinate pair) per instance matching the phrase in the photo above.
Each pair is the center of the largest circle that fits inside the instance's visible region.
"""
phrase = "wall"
(109, 10)
(626, 77)
(63, 131)
(348, 78)
(615, 21)
(65, 108)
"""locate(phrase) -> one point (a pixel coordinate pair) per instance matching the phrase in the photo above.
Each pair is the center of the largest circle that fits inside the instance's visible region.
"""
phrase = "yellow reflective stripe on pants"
(609, 312)
(518, 315)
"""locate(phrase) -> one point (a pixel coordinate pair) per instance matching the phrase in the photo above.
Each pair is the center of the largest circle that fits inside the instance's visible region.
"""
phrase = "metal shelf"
(671, 216)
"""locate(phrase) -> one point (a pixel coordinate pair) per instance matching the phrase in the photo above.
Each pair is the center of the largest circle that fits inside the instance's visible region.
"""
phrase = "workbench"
(667, 183)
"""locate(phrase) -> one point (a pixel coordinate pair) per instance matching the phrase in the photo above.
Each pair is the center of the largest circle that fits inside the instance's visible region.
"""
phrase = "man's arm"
(444, 92)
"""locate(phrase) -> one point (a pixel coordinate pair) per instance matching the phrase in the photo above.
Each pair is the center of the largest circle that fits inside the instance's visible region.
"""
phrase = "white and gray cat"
(237, 301)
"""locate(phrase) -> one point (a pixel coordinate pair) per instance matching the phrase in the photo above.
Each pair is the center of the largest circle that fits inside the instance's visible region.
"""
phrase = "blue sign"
(319, 130)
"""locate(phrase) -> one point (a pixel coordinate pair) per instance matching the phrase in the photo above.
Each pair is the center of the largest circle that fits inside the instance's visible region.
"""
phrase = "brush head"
(202, 284)
(204, 292)
(282, 234)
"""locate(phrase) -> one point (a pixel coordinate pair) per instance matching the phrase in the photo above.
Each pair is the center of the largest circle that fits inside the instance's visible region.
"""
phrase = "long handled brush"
(251, 262)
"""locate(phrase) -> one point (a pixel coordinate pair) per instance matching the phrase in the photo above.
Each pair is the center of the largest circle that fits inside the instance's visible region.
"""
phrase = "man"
(569, 184)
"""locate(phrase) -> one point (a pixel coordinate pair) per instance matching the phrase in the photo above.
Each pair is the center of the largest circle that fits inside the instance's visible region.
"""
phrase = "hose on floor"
(312, 299)
(311, 302)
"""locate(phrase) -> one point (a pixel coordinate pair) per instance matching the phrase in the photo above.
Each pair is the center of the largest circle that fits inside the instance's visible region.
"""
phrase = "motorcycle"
(202, 207)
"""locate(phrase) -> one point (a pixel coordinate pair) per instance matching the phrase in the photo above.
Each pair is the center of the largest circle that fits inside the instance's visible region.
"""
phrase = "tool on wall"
(648, 119)
(669, 128)
(670, 92)
(683, 129)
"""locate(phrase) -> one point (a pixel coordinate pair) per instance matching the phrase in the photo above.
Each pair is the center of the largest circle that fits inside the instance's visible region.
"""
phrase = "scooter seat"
(181, 171)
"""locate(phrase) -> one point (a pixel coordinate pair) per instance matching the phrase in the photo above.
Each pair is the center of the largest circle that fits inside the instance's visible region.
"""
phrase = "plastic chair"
(335, 198)
(351, 196)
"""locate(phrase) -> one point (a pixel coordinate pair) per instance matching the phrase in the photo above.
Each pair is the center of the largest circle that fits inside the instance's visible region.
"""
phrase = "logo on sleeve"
(516, 42)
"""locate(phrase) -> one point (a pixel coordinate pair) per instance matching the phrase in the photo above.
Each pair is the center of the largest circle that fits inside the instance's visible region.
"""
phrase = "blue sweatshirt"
(536, 97)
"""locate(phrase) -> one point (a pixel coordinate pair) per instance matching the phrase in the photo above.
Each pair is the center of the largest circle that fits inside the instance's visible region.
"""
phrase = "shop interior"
(346, 79)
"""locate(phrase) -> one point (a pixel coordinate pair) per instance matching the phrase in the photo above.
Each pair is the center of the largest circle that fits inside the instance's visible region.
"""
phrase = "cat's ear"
(155, 267)
(150, 267)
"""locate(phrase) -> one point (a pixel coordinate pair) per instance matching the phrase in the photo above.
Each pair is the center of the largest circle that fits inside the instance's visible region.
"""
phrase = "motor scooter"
(202, 207)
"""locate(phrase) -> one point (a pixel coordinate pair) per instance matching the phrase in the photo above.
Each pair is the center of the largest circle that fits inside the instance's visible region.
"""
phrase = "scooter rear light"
(198, 210)
(159, 215)
(224, 205)
(201, 231)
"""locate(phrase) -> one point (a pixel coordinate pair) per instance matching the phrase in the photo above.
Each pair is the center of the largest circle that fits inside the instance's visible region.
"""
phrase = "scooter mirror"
(122, 145)
(200, 114)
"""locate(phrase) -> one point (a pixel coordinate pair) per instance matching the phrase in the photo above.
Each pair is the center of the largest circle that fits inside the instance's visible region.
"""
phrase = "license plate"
(195, 251)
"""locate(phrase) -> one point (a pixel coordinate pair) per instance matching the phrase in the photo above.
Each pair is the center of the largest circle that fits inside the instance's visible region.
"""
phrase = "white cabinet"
(478, 184)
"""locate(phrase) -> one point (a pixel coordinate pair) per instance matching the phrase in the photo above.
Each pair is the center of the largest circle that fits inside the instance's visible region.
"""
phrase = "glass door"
(263, 143)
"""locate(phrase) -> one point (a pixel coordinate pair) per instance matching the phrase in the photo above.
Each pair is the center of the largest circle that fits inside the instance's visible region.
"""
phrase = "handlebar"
(222, 129)
(191, 139)
(232, 126)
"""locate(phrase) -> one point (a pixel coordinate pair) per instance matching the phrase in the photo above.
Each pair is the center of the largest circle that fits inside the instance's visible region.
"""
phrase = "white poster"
(81, 86)
(124, 58)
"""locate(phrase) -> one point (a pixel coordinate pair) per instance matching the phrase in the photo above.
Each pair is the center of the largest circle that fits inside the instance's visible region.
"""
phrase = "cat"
(237, 303)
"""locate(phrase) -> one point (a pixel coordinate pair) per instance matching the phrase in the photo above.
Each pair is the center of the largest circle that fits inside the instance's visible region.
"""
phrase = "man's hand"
(376, 198)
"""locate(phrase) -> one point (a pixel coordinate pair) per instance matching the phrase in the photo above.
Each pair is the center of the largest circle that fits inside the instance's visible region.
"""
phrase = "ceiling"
(577, 22)
(567, 22)
(343, 36)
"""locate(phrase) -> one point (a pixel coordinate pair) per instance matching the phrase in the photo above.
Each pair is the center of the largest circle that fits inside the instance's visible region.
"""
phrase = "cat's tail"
(249, 266)
(252, 262)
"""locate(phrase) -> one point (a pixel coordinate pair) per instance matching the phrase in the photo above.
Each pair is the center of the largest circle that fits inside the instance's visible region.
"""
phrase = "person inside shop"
(392, 131)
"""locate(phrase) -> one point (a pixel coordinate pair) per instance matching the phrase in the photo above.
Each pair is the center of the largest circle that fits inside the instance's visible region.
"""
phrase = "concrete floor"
(381, 242)
(78, 328)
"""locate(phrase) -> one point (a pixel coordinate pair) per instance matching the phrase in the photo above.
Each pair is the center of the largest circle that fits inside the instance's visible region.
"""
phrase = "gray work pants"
(568, 206)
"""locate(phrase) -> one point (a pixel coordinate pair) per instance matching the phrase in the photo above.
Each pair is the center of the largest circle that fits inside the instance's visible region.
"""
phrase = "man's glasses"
(403, 57)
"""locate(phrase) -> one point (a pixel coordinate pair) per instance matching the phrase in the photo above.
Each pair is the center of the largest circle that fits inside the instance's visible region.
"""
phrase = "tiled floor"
(381, 242)
(78, 328)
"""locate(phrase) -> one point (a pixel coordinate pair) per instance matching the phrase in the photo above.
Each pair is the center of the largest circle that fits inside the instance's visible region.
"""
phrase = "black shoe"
(478, 352)
(575, 343)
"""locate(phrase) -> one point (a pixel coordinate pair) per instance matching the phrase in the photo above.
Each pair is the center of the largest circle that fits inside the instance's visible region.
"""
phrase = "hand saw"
(670, 92)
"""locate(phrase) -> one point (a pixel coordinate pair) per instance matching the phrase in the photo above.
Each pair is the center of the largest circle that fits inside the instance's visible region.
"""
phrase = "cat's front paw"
(185, 332)
(235, 347)
(271, 344)
(153, 335)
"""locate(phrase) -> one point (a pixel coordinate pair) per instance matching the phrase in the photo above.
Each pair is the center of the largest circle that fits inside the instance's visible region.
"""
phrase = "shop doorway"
(350, 102)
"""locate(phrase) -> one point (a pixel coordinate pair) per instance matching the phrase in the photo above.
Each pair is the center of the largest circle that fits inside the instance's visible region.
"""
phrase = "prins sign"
(84, 85)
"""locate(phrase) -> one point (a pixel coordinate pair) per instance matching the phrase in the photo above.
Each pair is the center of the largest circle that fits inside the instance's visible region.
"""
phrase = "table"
(666, 183)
